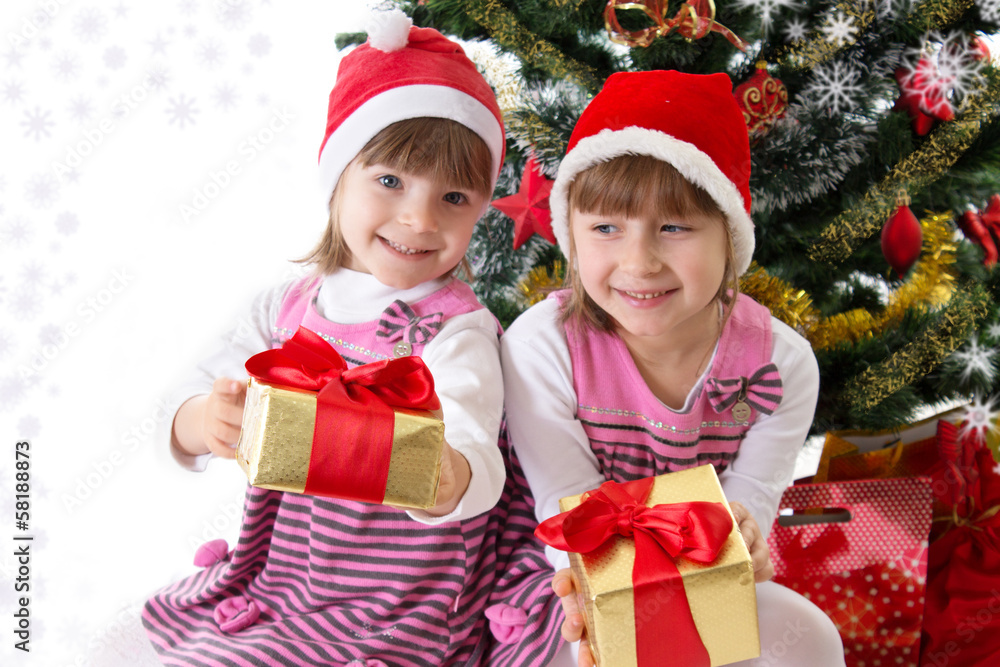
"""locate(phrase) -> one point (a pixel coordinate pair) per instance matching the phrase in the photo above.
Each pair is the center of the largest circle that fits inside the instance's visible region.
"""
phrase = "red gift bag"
(858, 550)
(962, 616)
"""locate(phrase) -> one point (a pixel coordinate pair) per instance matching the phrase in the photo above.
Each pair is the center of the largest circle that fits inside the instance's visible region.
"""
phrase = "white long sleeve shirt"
(463, 358)
(553, 448)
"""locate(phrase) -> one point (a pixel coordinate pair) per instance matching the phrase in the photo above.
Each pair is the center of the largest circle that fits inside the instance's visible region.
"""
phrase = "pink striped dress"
(633, 435)
(318, 581)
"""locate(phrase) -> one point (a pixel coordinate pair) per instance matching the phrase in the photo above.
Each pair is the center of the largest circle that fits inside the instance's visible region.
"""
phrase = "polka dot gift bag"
(858, 550)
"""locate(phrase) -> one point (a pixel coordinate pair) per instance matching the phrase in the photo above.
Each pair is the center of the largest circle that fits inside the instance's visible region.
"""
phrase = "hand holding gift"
(654, 551)
(574, 629)
(314, 426)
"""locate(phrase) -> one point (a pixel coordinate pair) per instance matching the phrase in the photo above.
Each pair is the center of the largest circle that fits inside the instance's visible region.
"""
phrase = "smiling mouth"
(400, 248)
(644, 295)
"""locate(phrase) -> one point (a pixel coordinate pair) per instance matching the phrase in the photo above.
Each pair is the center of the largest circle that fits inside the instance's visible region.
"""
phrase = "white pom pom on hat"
(389, 31)
(388, 79)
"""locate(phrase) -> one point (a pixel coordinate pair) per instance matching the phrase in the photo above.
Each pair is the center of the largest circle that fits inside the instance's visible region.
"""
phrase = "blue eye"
(604, 229)
(389, 181)
(673, 228)
(455, 198)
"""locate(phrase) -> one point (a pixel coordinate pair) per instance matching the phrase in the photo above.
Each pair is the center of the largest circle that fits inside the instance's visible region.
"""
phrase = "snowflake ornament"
(943, 67)
(886, 8)
(989, 10)
(795, 31)
(768, 9)
(834, 86)
(975, 359)
(993, 331)
(839, 29)
(980, 418)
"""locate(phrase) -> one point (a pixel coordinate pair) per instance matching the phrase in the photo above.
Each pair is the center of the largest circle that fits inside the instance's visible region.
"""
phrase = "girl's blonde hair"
(638, 186)
(436, 148)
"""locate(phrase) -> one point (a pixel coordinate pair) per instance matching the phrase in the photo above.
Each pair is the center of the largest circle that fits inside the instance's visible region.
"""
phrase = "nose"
(638, 256)
(419, 214)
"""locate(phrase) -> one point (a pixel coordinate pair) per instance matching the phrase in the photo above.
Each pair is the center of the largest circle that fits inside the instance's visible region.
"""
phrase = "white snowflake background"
(115, 115)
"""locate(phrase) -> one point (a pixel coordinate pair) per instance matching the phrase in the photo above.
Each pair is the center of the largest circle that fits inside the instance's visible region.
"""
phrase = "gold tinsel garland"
(934, 14)
(929, 287)
(506, 31)
(821, 48)
(922, 355)
(539, 282)
(535, 132)
(923, 166)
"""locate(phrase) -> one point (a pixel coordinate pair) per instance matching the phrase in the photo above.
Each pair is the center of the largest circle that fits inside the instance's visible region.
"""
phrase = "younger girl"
(413, 147)
(651, 361)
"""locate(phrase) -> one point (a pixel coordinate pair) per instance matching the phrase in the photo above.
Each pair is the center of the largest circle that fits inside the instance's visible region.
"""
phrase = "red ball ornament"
(902, 238)
(763, 99)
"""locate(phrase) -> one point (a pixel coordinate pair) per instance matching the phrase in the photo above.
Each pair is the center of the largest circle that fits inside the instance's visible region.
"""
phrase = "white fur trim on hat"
(693, 164)
(403, 103)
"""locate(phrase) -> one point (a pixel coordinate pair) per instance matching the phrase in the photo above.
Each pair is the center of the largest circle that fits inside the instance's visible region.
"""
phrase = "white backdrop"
(157, 170)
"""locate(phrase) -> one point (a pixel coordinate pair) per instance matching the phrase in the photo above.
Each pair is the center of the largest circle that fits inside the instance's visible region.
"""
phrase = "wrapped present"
(313, 426)
(961, 626)
(660, 553)
(858, 550)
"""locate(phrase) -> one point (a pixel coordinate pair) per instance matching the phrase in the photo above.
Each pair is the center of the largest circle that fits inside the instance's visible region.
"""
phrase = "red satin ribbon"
(695, 530)
(352, 439)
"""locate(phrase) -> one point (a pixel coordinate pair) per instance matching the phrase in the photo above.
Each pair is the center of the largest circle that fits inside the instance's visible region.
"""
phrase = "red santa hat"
(404, 72)
(690, 121)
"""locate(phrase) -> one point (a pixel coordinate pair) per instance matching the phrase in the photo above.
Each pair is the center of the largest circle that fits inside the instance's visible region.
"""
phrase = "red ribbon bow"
(352, 439)
(694, 20)
(977, 227)
(695, 530)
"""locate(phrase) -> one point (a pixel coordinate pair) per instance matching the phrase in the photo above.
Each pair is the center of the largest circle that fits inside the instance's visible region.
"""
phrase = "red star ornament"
(529, 208)
(922, 96)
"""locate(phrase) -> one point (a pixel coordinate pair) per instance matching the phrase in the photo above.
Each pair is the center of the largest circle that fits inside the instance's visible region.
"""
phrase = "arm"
(208, 421)
(763, 467)
(541, 404)
(464, 360)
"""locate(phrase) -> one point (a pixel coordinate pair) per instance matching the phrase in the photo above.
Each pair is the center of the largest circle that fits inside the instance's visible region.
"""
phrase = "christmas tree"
(876, 170)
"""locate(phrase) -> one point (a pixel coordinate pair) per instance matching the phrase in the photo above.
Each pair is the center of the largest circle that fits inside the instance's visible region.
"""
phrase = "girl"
(413, 147)
(651, 361)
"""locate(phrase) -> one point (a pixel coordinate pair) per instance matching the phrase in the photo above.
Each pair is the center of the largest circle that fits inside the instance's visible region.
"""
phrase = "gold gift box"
(721, 594)
(276, 443)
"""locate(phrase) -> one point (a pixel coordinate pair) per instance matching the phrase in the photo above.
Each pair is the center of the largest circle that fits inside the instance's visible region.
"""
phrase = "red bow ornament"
(353, 435)
(693, 530)
(981, 227)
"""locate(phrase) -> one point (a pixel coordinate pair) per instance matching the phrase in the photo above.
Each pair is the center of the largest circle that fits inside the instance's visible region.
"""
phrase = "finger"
(562, 583)
(228, 387)
(572, 628)
(220, 448)
(766, 573)
(228, 413)
(585, 658)
(226, 434)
